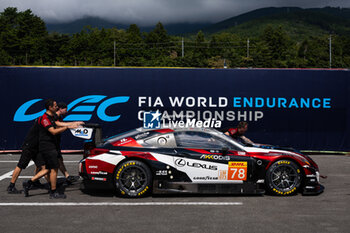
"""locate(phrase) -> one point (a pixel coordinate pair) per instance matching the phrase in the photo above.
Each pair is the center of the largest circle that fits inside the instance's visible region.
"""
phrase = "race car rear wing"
(93, 135)
(89, 131)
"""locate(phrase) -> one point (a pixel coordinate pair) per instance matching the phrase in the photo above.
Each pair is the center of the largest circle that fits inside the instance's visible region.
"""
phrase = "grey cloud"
(149, 12)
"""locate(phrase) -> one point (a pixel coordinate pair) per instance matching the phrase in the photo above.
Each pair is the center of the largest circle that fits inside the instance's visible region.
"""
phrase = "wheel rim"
(133, 179)
(284, 178)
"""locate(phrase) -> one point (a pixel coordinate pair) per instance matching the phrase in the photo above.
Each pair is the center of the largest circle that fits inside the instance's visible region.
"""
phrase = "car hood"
(299, 156)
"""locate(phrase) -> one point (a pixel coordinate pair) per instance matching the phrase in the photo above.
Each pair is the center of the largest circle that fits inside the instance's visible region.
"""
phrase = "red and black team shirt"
(234, 133)
(58, 136)
(47, 141)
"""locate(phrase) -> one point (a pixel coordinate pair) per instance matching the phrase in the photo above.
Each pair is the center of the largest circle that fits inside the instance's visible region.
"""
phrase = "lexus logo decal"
(180, 162)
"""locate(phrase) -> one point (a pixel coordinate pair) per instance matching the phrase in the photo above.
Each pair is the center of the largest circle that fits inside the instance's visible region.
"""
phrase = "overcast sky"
(149, 12)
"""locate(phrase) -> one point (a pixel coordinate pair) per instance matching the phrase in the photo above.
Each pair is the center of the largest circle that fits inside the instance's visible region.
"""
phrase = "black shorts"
(27, 155)
(39, 160)
(59, 156)
(51, 159)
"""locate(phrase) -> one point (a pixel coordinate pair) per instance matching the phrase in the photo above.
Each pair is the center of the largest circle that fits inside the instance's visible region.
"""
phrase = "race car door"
(207, 158)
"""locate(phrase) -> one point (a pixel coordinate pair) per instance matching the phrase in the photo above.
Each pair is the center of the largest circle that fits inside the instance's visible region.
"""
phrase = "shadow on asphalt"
(111, 193)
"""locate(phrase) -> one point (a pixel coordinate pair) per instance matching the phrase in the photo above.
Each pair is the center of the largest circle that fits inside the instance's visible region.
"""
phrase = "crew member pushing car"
(238, 133)
(30, 151)
(48, 148)
(62, 110)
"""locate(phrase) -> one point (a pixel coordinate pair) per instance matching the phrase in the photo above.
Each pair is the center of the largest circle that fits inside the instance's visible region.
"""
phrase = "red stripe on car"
(142, 155)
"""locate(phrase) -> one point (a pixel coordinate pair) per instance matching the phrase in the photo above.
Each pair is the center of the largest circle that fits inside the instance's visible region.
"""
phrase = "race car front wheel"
(133, 178)
(283, 178)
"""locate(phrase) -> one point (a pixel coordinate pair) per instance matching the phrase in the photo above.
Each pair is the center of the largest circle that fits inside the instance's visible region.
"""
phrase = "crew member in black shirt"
(30, 151)
(62, 110)
(48, 149)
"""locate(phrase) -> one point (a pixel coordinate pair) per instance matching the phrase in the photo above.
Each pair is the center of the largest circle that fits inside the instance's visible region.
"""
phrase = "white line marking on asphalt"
(6, 175)
(9, 174)
(122, 204)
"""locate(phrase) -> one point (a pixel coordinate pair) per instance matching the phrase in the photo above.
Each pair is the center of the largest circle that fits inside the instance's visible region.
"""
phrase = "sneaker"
(47, 186)
(57, 195)
(37, 185)
(26, 187)
(13, 190)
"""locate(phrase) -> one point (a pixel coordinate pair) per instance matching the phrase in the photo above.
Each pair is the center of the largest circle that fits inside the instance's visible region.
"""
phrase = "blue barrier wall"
(306, 109)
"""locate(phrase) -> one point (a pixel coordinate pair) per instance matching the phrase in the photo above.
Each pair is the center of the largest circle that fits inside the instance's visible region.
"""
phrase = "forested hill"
(296, 21)
(95, 22)
(290, 38)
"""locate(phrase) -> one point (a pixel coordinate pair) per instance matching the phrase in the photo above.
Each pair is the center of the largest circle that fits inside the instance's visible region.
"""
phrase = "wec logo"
(80, 109)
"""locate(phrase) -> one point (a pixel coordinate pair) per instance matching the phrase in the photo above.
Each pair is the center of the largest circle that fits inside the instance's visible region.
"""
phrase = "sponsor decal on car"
(222, 175)
(161, 173)
(99, 173)
(215, 157)
(205, 178)
(99, 178)
(237, 170)
(182, 163)
(82, 132)
(142, 135)
(126, 142)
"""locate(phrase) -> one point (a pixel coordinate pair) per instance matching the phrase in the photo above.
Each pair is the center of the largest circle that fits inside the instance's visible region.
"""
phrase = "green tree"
(158, 46)
(135, 46)
(314, 52)
(23, 36)
(32, 33)
(200, 51)
(228, 47)
(277, 42)
(8, 33)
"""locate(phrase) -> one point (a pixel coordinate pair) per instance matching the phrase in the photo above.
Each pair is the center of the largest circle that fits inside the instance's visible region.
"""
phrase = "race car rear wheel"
(283, 178)
(133, 179)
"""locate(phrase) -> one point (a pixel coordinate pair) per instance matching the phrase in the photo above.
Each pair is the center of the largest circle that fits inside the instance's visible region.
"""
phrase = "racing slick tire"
(133, 178)
(283, 178)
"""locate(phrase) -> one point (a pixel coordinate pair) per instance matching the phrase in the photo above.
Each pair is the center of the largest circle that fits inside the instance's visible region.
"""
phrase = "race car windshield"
(121, 136)
(200, 140)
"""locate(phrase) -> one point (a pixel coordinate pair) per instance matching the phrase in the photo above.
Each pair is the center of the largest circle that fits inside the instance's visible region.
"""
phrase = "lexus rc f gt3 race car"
(196, 160)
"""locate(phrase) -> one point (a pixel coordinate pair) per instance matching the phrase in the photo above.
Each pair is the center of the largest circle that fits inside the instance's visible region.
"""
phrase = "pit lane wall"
(305, 109)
